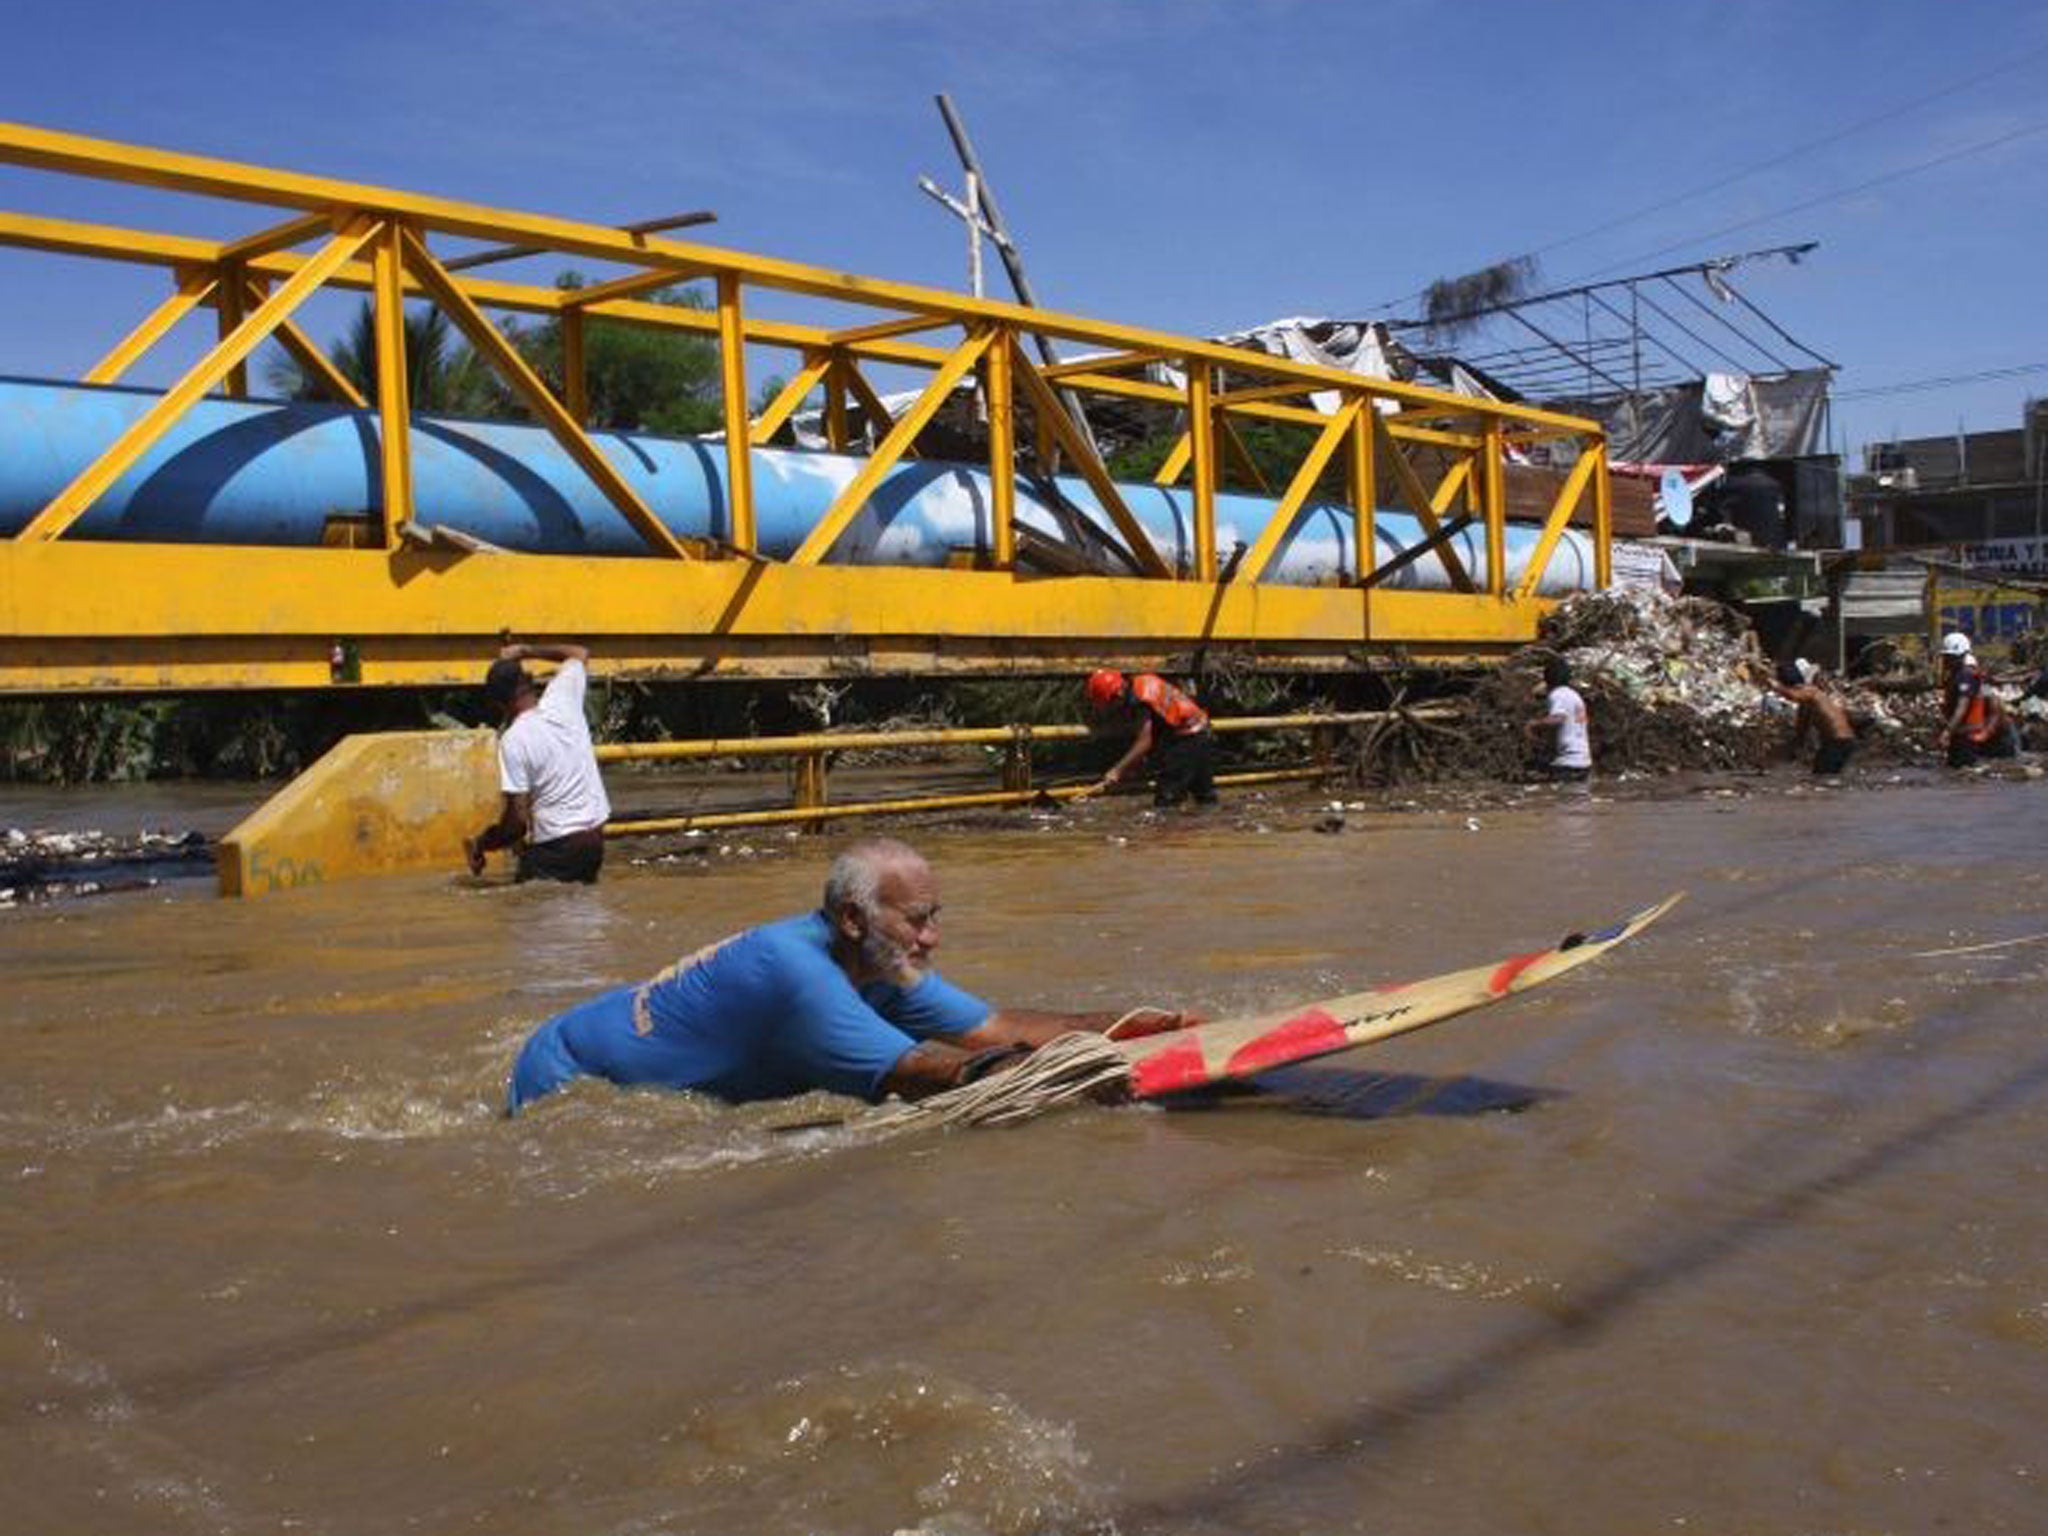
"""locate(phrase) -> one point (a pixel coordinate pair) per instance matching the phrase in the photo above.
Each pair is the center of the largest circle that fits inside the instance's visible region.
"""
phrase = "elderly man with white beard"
(843, 999)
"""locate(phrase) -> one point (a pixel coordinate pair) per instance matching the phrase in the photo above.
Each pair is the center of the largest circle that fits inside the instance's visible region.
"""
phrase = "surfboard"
(1221, 1050)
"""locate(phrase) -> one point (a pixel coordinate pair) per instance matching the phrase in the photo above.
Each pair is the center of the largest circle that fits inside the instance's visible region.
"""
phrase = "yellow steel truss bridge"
(412, 594)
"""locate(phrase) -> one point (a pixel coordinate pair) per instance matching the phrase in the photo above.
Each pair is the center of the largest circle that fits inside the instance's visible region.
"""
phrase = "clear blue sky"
(1197, 165)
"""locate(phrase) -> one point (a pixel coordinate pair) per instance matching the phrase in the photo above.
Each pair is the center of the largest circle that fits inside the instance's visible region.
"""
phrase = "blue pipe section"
(246, 472)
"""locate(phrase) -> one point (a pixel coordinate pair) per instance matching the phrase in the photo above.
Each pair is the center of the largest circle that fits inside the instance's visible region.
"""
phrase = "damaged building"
(1979, 499)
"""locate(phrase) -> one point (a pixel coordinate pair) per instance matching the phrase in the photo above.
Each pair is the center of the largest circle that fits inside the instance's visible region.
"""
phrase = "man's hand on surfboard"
(1152, 1021)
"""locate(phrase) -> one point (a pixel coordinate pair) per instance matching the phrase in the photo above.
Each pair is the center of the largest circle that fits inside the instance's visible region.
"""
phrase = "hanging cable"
(1891, 114)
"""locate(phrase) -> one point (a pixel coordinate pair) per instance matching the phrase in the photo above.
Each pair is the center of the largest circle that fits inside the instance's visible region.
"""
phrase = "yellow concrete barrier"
(375, 804)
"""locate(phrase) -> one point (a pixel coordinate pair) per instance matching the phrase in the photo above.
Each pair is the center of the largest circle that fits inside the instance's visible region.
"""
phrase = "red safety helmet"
(1105, 687)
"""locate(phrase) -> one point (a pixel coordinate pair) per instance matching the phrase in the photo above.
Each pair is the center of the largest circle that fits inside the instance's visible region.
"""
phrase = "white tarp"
(1715, 420)
(1362, 347)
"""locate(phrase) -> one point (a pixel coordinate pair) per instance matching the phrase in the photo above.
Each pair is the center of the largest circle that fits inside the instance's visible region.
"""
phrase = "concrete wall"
(377, 803)
(1976, 458)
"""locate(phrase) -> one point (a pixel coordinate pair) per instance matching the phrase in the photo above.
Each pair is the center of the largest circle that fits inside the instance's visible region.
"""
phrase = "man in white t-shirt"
(554, 801)
(1566, 714)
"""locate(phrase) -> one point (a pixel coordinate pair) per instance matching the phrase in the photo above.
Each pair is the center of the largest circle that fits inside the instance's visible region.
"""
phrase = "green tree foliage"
(639, 378)
(443, 375)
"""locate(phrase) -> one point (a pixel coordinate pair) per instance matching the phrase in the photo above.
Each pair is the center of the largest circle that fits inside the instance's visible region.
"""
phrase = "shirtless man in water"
(1820, 713)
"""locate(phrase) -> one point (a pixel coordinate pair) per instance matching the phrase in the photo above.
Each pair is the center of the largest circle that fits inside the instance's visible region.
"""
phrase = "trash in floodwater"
(38, 865)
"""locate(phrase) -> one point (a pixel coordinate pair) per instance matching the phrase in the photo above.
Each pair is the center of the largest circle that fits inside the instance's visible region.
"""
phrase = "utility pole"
(987, 217)
(968, 211)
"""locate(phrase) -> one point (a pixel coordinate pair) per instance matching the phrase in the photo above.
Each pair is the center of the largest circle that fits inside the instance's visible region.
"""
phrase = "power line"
(1945, 381)
(1829, 197)
(1795, 152)
(1808, 147)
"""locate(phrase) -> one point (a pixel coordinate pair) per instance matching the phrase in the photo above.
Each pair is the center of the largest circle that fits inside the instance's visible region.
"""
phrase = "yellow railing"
(812, 755)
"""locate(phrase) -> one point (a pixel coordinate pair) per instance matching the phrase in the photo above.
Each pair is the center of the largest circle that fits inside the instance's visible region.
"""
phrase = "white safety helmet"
(1955, 643)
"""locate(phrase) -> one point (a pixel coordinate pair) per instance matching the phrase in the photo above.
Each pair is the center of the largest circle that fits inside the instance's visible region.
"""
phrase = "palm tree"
(444, 376)
(636, 378)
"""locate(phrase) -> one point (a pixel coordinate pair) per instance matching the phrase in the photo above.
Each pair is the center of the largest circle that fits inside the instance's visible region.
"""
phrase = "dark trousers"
(575, 858)
(1832, 755)
(1184, 768)
(1962, 751)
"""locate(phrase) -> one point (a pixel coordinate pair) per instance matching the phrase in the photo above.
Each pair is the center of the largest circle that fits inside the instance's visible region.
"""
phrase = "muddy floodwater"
(1742, 1229)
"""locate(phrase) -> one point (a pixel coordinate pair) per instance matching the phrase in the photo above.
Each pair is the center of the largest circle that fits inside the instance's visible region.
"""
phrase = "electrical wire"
(1826, 139)
(1944, 381)
(1837, 195)
(1878, 119)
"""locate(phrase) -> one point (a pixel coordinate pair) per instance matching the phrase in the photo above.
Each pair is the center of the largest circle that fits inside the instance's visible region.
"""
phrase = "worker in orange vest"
(1172, 729)
(1974, 722)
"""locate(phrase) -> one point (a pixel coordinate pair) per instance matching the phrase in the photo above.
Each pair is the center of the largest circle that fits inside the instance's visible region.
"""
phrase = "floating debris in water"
(40, 864)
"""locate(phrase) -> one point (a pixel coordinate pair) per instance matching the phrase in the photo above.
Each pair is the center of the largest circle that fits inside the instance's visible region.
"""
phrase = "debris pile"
(1670, 684)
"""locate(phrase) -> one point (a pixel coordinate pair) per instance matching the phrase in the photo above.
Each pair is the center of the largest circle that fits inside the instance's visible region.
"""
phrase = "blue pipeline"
(239, 472)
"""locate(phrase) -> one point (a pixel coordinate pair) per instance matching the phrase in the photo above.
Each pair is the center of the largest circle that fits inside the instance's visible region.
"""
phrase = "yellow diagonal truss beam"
(307, 353)
(1555, 523)
(492, 346)
(1176, 460)
(194, 289)
(1401, 433)
(1423, 505)
(628, 287)
(1070, 371)
(881, 330)
(1457, 479)
(1052, 415)
(880, 422)
(789, 397)
(281, 237)
(1128, 389)
(1312, 465)
(231, 352)
(847, 504)
(1231, 399)
(1167, 394)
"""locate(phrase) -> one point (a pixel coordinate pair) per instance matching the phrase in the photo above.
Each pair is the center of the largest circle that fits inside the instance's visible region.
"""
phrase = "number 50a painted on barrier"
(282, 873)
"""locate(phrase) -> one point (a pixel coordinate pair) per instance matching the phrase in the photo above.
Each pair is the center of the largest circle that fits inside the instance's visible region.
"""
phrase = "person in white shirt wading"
(1567, 715)
(554, 801)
